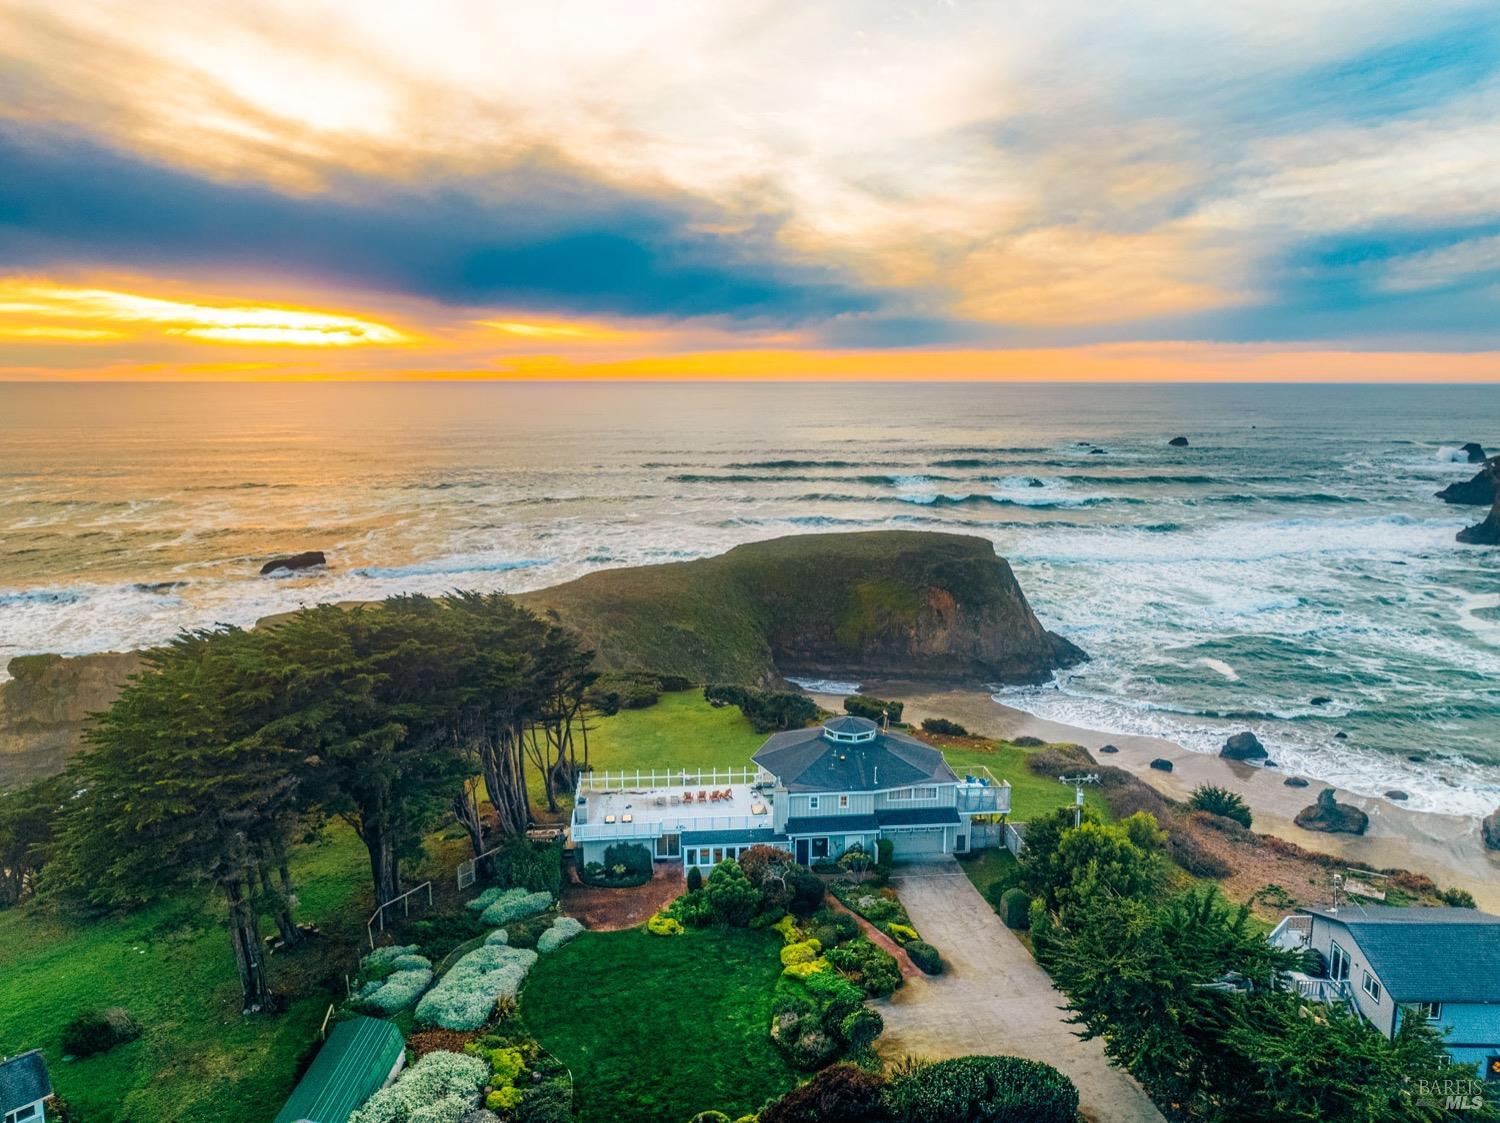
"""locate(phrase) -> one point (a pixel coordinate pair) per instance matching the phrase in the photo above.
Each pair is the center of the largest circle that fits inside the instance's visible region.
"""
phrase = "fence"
(405, 901)
(679, 778)
(1015, 837)
(467, 870)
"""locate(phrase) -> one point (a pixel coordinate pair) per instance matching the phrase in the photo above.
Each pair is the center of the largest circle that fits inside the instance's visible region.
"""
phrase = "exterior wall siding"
(947, 796)
(1473, 1029)
(1381, 1014)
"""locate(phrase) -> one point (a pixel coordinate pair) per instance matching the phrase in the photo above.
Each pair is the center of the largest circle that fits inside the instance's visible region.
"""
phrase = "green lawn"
(659, 1027)
(1030, 795)
(170, 965)
(680, 731)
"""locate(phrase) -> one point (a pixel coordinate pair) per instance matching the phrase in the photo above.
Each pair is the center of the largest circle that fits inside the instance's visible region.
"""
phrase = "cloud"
(538, 234)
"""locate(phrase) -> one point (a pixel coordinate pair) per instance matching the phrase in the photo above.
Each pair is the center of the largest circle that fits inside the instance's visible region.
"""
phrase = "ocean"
(1293, 551)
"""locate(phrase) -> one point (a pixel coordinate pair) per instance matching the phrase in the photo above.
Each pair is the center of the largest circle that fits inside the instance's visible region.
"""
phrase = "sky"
(1084, 189)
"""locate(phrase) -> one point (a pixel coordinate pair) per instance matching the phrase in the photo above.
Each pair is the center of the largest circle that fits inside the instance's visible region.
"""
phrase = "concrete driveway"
(993, 998)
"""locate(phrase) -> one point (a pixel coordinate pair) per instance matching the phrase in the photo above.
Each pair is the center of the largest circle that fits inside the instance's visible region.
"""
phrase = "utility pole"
(1077, 782)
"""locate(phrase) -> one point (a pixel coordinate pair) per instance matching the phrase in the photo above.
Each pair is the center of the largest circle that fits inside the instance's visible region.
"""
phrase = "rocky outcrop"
(1474, 451)
(1489, 830)
(1161, 764)
(1486, 533)
(308, 559)
(1295, 782)
(1243, 746)
(45, 707)
(1178, 442)
(1332, 817)
(879, 604)
(1481, 491)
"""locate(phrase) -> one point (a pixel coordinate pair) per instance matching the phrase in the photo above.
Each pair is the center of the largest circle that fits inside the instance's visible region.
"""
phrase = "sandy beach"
(1447, 848)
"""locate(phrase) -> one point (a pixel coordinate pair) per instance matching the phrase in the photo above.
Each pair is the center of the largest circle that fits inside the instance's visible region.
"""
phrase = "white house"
(815, 792)
(24, 1085)
(1390, 964)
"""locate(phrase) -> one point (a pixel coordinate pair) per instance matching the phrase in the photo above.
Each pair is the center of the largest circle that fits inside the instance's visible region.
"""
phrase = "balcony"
(980, 793)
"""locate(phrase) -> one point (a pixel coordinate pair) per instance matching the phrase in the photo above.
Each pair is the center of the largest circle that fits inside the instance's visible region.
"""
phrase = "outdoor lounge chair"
(702, 797)
(627, 818)
(609, 818)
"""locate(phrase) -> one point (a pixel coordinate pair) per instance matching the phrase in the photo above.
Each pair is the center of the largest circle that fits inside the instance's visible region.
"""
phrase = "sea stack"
(1178, 442)
(1243, 746)
(1486, 533)
(1474, 451)
(1332, 817)
(1489, 830)
(309, 559)
(1477, 492)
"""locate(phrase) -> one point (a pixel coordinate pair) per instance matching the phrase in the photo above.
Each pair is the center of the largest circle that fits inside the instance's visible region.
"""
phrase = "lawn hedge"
(984, 1090)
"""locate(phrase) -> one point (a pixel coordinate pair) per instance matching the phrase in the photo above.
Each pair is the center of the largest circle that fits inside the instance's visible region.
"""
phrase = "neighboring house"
(815, 792)
(360, 1057)
(24, 1085)
(1441, 965)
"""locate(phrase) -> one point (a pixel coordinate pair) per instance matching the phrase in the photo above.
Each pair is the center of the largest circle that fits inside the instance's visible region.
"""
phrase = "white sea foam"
(1221, 667)
(825, 685)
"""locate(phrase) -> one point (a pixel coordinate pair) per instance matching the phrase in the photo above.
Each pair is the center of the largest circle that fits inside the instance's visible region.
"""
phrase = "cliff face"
(896, 604)
(44, 706)
(882, 604)
(1481, 491)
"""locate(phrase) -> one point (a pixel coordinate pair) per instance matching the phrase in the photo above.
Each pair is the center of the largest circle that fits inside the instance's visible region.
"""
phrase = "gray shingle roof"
(831, 824)
(1428, 955)
(23, 1080)
(803, 760)
(849, 724)
(919, 817)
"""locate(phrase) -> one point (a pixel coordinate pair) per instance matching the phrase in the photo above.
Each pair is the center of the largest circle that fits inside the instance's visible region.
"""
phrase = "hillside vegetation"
(884, 603)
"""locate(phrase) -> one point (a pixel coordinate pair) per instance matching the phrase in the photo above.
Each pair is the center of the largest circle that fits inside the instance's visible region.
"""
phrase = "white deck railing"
(653, 828)
(653, 779)
(992, 798)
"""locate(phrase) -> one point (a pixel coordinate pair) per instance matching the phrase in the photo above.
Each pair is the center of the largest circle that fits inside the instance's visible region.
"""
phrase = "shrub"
(805, 968)
(563, 929)
(767, 711)
(1220, 801)
(438, 935)
(870, 968)
(804, 951)
(533, 866)
(942, 727)
(498, 936)
(514, 904)
(623, 690)
(397, 991)
(831, 927)
(465, 997)
(710, 1117)
(876, 709)
(770, 870)
(547, 1103)
(925, 956)
(731, 897)
(694, 879)
(1457, 898)
(901, 933)
(841, 1093)
(99, 1031)
(986, 1089)
(1189, 852)
(503, 1099)
(836, 996)
(692, 909)
(441, 1087)
(786, 927)
(808, 891)
(861, 1028)
(663, 925)
(625, 864)
(1015, 909)
(1028, 742)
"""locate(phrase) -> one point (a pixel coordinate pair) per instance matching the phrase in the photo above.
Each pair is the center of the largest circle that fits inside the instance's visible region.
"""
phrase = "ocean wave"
(447, 565)
(972, 500)
(41, 597)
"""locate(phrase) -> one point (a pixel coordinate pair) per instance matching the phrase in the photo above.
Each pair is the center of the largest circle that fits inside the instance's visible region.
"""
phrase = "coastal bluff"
(874, 604)
(908, 604)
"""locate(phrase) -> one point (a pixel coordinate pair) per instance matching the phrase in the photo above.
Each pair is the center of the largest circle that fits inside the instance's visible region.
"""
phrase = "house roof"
(1427, 955)
(831, 824)
(919, 817)
(737, 837)
(803, 760)
(350, 1068)
(23, 1080)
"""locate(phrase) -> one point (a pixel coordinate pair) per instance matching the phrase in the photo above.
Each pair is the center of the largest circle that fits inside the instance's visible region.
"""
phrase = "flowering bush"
(563, 929)
(397, 990)
(465, 997)
(663, 925)
(515, 904)
(804, 952)
(437, 1089)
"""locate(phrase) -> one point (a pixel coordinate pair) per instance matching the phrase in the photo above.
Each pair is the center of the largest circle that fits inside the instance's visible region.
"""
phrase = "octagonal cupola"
(850, 730)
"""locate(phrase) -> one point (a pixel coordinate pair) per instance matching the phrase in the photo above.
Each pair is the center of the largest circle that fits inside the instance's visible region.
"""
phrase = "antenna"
(1077, 782)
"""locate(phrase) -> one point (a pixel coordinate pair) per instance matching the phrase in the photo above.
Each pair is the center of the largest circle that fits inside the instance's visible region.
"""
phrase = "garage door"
(919, 843)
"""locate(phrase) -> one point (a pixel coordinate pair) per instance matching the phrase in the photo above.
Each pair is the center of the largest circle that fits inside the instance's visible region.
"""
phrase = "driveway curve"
(993, 998)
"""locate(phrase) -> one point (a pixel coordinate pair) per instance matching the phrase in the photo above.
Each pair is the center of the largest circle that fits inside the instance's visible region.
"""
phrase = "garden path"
(993, 998)
(908, 969)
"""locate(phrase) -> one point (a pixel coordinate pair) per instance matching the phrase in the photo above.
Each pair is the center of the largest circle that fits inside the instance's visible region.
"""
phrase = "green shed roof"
(350, 1068)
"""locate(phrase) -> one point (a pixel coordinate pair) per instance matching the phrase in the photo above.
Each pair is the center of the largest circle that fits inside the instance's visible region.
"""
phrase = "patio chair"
(627, 818)
(702, 796)
(609, 818)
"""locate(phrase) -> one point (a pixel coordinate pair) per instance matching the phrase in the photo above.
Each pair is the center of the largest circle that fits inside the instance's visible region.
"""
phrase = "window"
(1432, 1011)
(667, 844)
(718, 854)
(843, 803)
(27, 1112)
(1338, 963)
(812, 803)
(901, 794)
(820, 848)
(1371, 986)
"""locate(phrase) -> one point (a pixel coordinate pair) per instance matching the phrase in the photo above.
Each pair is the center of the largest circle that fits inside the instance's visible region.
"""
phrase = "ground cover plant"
(439, 1088)
(465, 997)
(657, 1028)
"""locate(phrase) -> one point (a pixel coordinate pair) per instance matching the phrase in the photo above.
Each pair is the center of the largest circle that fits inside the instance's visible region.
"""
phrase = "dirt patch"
(608, 910)
(424, 1041)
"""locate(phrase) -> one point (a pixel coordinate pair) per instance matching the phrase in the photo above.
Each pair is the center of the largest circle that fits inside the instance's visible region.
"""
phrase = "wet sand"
(1447, 848)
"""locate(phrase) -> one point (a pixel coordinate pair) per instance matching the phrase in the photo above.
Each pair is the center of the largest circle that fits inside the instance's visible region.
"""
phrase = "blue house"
(1391, 964)
(24, 1088)
(813, 792)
